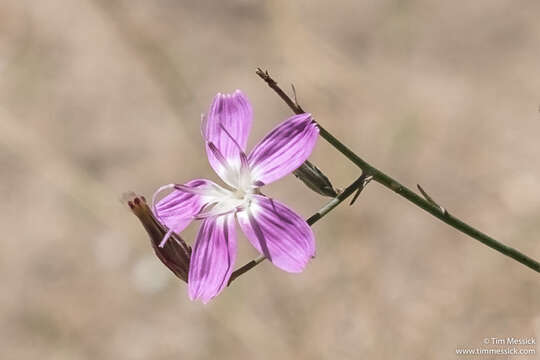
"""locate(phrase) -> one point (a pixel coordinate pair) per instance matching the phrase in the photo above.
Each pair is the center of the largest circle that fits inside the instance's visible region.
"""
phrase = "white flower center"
(240, 194)
(227, 201)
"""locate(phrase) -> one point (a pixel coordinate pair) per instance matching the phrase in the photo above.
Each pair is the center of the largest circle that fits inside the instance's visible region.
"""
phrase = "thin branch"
(367, 179)
(295, 97)
(430, 199)
(245, 268)
(402, 190)
(296, 108)
(359, 184)
(307, 172)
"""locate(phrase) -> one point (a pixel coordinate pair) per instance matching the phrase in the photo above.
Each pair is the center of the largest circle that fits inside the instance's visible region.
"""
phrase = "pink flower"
(273, 229)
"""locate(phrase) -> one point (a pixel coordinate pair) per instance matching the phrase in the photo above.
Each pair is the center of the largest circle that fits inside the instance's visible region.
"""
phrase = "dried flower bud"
(315, 179)
(175, 253)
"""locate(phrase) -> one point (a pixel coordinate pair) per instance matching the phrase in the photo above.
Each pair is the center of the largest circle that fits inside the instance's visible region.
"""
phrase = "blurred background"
(100, 97)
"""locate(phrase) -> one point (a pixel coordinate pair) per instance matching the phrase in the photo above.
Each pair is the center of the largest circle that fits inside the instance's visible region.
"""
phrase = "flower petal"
(213, 258)
(278, 233)
(177, 209)
(284, 149)
(226, 128)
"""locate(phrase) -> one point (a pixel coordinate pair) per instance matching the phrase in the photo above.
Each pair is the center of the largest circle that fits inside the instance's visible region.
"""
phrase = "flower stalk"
(426, 204)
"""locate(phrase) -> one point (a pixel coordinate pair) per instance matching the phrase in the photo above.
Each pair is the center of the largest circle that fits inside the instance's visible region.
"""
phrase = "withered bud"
(315, 179)
(175, 253)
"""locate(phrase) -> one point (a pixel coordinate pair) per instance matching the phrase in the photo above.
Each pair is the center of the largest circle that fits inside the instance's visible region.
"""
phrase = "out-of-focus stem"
(385, 180)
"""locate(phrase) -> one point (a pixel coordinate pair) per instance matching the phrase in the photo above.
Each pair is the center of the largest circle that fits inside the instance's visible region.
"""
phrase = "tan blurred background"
(100, 97)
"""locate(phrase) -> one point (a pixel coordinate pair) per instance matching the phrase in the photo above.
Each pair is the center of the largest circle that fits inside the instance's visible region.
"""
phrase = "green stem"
(431, 208)
(405, 192)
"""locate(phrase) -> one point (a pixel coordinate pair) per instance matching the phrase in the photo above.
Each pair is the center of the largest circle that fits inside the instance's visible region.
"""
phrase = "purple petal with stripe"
(213, 257)
(278, 233)
(177, 209)
(284, 149)
(227, 127)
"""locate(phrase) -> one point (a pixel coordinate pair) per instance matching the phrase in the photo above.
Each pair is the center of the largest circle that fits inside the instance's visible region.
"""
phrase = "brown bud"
(175, 254)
